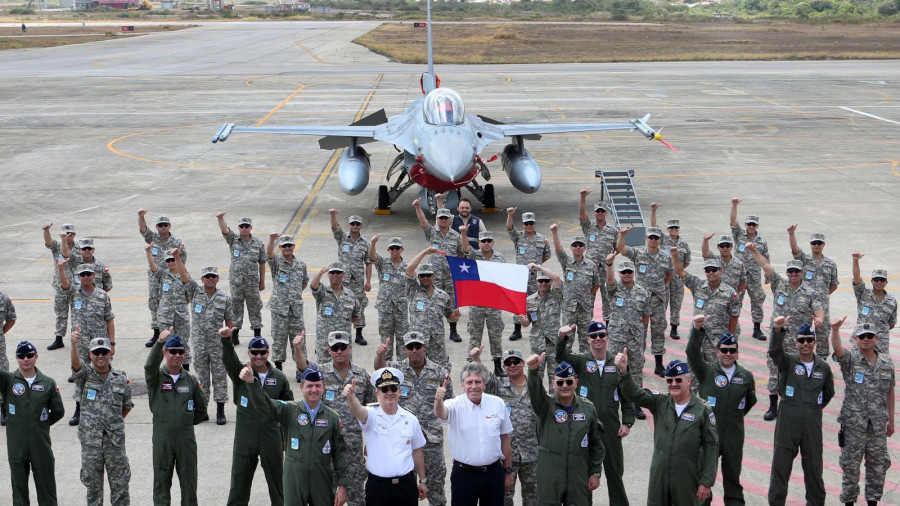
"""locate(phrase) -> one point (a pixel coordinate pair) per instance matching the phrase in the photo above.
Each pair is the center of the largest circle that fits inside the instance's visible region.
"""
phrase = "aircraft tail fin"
(429, 78)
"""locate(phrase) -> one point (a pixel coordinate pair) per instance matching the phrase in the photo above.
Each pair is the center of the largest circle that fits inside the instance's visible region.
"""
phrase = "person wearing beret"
(685, 439)
(570, 435)
(32, 404)
(730, 391)
(177, 403)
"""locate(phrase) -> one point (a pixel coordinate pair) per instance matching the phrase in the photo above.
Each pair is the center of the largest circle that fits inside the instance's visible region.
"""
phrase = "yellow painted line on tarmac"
(309, 52)
(280, 105)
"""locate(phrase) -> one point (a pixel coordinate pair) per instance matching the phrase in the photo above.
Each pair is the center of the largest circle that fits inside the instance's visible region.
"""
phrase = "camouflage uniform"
(286, 303)
(578, 303)
(91, 312)
(172, 306)
(600, 243)
(209, 314)
(102, 433)
(800, 304)
(822, 275)
(451, 245)
(651, 273)
(880, 313)
(332, 313)
(393, 317)
(675, 287)
(354, 254)
(102, 277)
(734, 274)
(754, 271)
(534, 250)
(159, 249)
(720, 305)
(626, 325)
(334, 399)
(7, 314)
(61, 300)
(426, 315)
(417, 397)
(481, 316)
(543, 317)
(523, 440)
(243, 278)
(863, 418)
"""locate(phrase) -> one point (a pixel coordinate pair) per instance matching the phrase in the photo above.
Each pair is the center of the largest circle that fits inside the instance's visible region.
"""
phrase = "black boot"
(517, 332)
(454, 336)
(57, 344)
(757, 332)
(299, 376)
(234, 337)
(674, 332)
(360, 340)
(498, 369)
(257, 332)
(152, 341)
(3, 415)
(76, 418)
(187, 367)
(220, 413)
(773, 408)
(278, 365)
(659, 370)
(871, 503)
(851, 503)
(639, 413)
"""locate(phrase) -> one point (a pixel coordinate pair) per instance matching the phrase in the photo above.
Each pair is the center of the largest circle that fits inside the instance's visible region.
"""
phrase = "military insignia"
(578, 417)
(271, 382)
(584, 441)
(340, 423)
(789, 391)
(18, 389)
(583, 391)
(721, 381)
(591, 366)
(198, 308)
(712, 419)
(37, 388)
(858, 378)
(737, 381)
(700, 303)
(818, 375)
(609, 368)
(183, 389)
(12, 409)
(404, 391)
(77, 304)
(190, 404)
(243, 402)
(91, 395)
(560, 416)
(743, 403)
(44, 415)
(295, 443)
(327, 448)
(711, 401)
(616, 395)
(799, 370)
(865, 311)
(734, 296)
(303, 419)
(329, 395)
(166, 387)
(687, 416)
(819, 400)
(780, 300)
(321, 423)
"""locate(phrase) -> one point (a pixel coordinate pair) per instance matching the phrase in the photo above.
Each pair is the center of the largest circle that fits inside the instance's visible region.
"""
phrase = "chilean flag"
(489, 284)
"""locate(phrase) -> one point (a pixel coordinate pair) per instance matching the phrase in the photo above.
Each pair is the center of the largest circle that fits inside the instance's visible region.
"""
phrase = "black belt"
(392, 481)
(477, 469)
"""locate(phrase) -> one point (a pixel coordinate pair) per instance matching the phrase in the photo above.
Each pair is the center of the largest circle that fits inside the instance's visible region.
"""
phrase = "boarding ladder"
(617, 189)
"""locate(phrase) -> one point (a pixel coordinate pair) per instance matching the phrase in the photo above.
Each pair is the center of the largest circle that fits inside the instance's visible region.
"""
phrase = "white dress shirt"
(390, 440)
(474, 430)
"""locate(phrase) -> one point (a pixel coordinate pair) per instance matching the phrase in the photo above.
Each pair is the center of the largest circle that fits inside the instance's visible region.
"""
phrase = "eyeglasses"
(85, 274)
(626, 272)
(414, 346)
(879, 280)
(23, 356)
(866, 336)
(244, 225)
(806, 340)
(711, 269)
(601, 211)
(793, 271)
(816, 243)
(210, 276)
(728, 350)
(725, 245)
(87, 248)
(674, 380)
(598, 336)
(752, 224)
(169, 260)
(568, 382)
(652, 237)
(101, 352)
(577, 244)
(512, 361)
(528, 223)
(162, 225)
(356, 224)
(339, 347)
(395, 248)
(486, 240)
(426, 275)
(259, 353)
(392, 388)
(287, 245)
(175, 351)
(443, 217)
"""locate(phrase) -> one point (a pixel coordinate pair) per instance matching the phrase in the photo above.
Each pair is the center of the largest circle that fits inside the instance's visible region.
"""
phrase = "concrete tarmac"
(90, 133)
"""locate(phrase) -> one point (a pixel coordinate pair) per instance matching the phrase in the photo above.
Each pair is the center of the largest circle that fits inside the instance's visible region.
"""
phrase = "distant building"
(286, 5)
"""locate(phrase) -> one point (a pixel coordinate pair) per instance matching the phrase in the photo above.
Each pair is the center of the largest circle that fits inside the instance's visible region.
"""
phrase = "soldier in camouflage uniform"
(712, 298)
(61, 301)
(336, 307)
(792, 297)
(84, 254)
(443, 238)
(875, 305)
(428, 306)
(531, 247)
(421, 379)
(675, 287)
(106, 397)
(581, 280)
(867, 413)
(544, 307)
(210, 309)
(7, 320)
(819, 272)
(353, 252)
(161, 242)
(654, 271)
(247, 276)
(340, 372)
(289, 279)
(393, 317)
(754, 275)
(172, 306)
(601, 241)
(734, 272)
(481, 316)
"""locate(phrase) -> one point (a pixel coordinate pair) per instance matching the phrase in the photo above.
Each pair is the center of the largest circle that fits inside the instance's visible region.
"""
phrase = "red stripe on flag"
(480, 293)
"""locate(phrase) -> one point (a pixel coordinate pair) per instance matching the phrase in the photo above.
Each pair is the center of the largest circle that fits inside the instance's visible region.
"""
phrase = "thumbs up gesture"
(622, 361)
(247, 373)
(350, 389)
(441, 392)
(383, 347)
(75, 335)
(534, 361)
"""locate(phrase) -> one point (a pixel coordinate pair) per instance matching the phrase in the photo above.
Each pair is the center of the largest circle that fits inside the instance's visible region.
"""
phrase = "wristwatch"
(629, 425)
(508, 470)
(423, 480)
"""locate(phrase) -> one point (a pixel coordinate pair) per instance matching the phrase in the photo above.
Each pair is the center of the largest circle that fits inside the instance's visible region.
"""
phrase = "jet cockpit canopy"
(443, 106)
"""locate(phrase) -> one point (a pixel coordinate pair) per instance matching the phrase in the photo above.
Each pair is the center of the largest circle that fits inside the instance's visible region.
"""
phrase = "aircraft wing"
(342, 131)
(512, 130)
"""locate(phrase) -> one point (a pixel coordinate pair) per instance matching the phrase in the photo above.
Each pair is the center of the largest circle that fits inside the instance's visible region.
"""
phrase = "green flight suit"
(730, 400)
(177, 406)
(685, 448)
(799, 423)
(257, 435)
(312, 447)
(601, 387)
(571, 446)
(30, 411)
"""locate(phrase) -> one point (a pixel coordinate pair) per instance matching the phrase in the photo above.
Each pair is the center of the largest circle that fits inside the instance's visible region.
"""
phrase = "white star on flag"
(464, 268)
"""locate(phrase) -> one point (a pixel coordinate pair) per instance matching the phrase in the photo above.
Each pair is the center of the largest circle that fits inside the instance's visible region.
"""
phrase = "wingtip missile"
(641, 126)
(223, 133)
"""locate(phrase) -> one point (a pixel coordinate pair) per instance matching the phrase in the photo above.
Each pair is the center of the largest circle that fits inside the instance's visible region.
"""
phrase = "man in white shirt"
(478, 434)
(394, 442)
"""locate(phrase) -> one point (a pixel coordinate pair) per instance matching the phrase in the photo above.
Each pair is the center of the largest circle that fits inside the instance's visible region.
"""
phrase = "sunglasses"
(512, 361)
(100, 352)
(568, 382)
(652, 237)
(287, 245)
(543, 281)
(728, 350)
(70, 233)
(210, 276)
(414, 346)
(577, 244)
(626, 272)
(85, 274)
(752, 224)
(23, 356)
(711, 269)
(176, 351)
(169, 260)
(392, 388)
(528, 223)
(335, 273)
(879, 280)
(244, 225)
(259, 353)
(816, 243)
(598, 336)
(162, 225)
(356, 224)
(725, 245)
(426, 275)
(793, 271)
(443, 217)
(600, 210)
(486, 240)
(674, 380)
(866, 336)
(395, 248)
(87, 248)
(673, 228)
(806, 340)
(340, 347)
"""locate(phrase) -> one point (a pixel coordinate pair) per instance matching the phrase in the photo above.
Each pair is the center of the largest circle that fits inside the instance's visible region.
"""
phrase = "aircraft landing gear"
(485, 195)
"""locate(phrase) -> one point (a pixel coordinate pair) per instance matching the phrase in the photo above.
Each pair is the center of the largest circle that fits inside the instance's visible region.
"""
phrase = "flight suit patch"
(817, 375)
(321, 423)
(721, 381)
(712, 419)
(243, 402)
(190, 404)
(37, 388)
(578, 417)
(858, 378)
(687, 416)
(560, 416)
(295, 443)
(789, 391)
(166, 387)
(183, 389)
(582, 392)
(591, 366)
(12, 409)
(327, 448)
(584, 441)
(271, 382)
(44, 415)
(303, 419)
(711, 401)
(18, 389)
(799, 370)
(737, 381)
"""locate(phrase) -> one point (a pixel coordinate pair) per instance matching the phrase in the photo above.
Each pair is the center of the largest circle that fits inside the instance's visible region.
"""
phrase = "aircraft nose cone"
(449, 158)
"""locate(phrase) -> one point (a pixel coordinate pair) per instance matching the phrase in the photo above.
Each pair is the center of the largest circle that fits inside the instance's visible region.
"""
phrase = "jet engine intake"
(521, 168)
(353, 171)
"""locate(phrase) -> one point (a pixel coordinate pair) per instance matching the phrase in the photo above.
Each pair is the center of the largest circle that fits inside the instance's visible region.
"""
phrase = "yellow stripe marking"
(279, 106)
(314, 56)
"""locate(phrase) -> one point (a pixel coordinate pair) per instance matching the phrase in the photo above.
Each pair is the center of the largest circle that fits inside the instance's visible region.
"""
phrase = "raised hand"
(584, 192)
(383, 347)
(220, 214)
(511, 210)
(350, 389)
(441, 392)
(622, 360)
(654, 205)
(857, 255)
(791, 229)
(75, 335)
(700, 320)
(475, 353)
(836, 323)
(247, 373)
(226, 332)
(709, 235)
(534, 360)
(297, 342)
(735, 201)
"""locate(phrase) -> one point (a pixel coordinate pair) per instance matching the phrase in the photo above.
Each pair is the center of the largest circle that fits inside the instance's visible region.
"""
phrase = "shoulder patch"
(712, 418)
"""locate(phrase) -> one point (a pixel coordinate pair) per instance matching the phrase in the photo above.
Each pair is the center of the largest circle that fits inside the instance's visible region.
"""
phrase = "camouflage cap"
(818, 236)
(864, 328)
(512, 353)
(243, 220)
(444, 212)
(209, 269)
(879, 273)
(354, 219)
(100, 343)
(752, 218)
(415, 337)
(725, 239)
(67, 228)
(338, 336)
(85, 242)
(170, 254)
(542, 277)
(627, 265)
(526, 217)
(336, 267)
(578, 238)
(424, 269)
(395, 241)
(485, 234)
(386, 376)
(654, 231)
(601, 205)
(794, 264)
(163, 220)
(84, 268)
(712, 262)
(285, 239)
(673, 223)
(676, 368)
